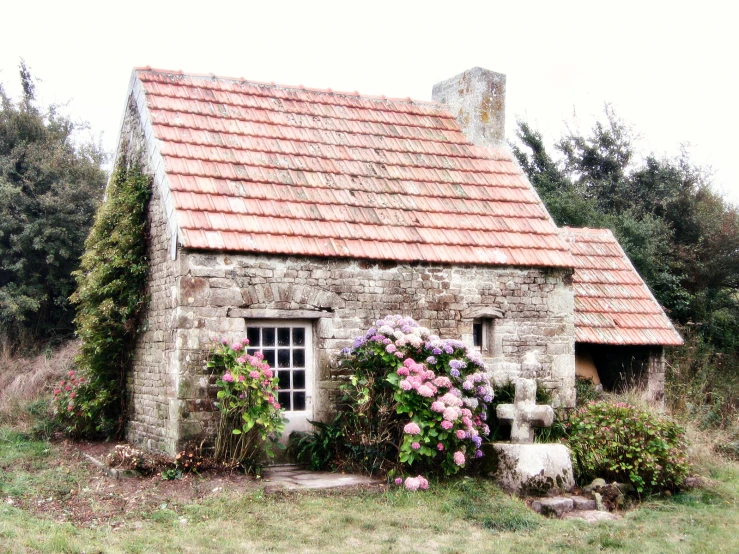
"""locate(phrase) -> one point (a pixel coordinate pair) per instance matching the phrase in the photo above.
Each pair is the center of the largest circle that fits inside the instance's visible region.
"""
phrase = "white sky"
(668, 68)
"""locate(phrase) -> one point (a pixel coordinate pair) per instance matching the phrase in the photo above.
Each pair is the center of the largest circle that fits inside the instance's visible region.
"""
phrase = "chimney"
(477, 99)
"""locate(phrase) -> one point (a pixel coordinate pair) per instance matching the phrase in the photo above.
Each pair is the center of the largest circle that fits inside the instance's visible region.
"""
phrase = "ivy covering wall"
(110, 296)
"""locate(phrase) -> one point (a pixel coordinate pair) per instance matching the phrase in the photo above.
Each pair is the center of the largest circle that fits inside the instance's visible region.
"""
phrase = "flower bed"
(416, 398)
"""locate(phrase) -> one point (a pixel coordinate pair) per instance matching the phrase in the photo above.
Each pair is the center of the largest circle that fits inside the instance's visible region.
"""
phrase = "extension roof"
(613, 305)
(256, 167)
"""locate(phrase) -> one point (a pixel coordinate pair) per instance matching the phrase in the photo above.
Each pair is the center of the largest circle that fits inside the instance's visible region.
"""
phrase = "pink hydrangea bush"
(251, 420)
(438, 385)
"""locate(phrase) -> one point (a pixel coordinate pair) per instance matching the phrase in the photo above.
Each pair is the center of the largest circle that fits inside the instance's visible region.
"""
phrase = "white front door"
(287, 346)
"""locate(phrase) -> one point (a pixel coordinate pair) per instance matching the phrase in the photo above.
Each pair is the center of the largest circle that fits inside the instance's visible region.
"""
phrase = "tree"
(682, 237)
(50, 188)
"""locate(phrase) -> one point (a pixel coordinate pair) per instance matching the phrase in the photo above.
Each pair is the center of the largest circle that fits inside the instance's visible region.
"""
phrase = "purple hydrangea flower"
(454, 373)
(431, 360)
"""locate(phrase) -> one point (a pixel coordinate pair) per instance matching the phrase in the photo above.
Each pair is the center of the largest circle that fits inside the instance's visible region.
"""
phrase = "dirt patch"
(101, 500)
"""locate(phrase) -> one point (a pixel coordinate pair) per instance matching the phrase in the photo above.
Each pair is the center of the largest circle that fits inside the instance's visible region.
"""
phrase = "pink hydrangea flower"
(451, 414)
(268, 373)
(399, 481)
(412, 484)
(390, 348)
(415, 446)
(426, 391)
(405, 385)
(446, 425)
(440, 447)
(438, 407)
(412, 428)
(459, 458)
(242, 378)
(236, 346)
(254, 374)
(451, 400)
(443, 382)
(460, 434)
(399, 354)
(408, 362)
(402, 371)
(228, 377)
(423, 483)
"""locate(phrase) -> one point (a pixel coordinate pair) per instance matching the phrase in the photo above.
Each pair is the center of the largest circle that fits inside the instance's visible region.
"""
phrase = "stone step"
(570, 506)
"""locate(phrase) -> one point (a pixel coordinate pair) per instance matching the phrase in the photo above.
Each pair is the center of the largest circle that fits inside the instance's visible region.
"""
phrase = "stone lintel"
(482, 311)
(253, 313)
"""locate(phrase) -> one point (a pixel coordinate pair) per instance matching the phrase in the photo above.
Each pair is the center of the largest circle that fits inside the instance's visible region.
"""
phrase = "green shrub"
(318, 448)
(251, 421)
(627, 444)
(413, 400)
(586, 392)
(110, 296)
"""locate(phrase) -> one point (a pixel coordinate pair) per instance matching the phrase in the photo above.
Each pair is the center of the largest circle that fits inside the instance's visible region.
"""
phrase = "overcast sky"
(668, 68)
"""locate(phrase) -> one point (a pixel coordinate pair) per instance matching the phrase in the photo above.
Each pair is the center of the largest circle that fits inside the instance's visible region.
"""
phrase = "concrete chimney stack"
(477, 99)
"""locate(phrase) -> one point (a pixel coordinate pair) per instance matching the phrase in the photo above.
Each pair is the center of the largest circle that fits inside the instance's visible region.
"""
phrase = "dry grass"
(24, 381)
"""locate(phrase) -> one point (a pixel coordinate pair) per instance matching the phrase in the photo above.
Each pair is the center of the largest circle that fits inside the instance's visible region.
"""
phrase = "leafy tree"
(111, 292)
(682, 237)
(50, 187)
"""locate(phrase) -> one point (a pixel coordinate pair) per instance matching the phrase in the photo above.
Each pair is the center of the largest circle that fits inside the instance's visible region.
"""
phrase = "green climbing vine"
(111, 293)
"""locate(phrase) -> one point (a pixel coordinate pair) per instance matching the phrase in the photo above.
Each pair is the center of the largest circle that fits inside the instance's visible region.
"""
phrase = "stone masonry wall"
(151, 385)
(216, 292)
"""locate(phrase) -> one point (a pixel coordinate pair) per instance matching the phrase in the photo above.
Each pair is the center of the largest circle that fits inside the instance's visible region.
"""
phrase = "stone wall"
(151, 385)
(534, 336)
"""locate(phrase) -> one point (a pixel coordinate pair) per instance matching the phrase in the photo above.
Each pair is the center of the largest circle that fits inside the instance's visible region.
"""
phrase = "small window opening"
(482, 330)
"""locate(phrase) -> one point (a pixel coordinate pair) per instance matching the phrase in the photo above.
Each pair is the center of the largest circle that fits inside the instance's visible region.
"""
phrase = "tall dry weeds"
(24, 381)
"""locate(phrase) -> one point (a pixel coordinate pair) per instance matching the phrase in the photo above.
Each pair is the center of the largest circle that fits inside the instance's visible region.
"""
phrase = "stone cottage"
(297, 217)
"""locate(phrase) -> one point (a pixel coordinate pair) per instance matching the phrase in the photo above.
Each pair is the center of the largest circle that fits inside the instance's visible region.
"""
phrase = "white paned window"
(287, 348)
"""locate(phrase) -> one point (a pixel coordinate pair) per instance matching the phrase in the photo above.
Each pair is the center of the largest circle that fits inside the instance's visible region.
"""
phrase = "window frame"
(308, 365)
(487, 343)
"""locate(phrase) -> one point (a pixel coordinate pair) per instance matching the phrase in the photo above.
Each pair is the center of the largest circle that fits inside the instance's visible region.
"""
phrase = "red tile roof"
(266, 168)
(613, 305)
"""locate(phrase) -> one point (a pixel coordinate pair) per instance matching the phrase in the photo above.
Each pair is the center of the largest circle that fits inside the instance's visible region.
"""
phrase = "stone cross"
(524, 414)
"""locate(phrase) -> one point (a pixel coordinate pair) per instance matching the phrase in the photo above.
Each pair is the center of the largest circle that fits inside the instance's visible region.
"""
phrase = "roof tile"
(612, 303)
(331, 174)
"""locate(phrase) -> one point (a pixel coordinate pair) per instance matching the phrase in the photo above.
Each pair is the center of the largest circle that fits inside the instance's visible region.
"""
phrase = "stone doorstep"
(296, 477)
(572, 507)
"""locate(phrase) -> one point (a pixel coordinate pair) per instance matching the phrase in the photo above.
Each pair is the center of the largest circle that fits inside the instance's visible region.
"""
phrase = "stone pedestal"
(530, 469)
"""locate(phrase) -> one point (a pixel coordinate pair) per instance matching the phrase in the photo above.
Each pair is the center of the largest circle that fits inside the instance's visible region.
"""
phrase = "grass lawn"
(467, 515)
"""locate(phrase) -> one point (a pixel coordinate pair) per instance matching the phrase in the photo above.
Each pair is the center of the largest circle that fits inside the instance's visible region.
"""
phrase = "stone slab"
(530, 469)
(555, 506)
(590, 516)
(582, 503)
(295, 477)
